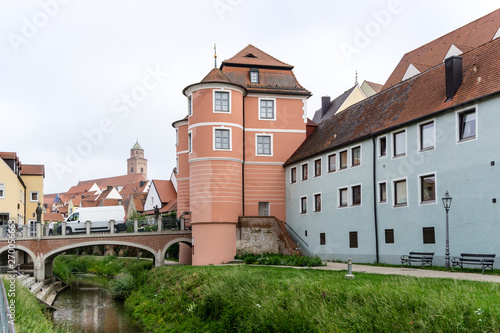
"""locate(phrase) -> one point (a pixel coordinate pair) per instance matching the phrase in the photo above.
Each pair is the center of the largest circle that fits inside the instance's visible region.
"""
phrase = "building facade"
(243, 121)
(137, 164)
(21, 189)
(368, 183)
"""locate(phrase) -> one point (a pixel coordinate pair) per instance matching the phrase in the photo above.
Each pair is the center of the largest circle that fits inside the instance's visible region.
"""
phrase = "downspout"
(375, 197)
(243, 164)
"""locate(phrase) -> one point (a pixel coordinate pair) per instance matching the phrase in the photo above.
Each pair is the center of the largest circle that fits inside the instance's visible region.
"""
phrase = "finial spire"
(215, 54)
(356, 78)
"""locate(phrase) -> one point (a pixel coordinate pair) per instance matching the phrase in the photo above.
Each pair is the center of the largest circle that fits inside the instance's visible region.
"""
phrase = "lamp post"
(447, 204)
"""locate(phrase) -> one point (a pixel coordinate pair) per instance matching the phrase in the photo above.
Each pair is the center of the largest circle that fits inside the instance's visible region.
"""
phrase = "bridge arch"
(18, 247)
(178, 240)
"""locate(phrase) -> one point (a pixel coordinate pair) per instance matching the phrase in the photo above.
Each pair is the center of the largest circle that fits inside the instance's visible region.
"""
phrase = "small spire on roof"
(215, 54)
(356, 78)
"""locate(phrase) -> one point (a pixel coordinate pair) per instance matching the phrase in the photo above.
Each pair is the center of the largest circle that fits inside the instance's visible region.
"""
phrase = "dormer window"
(254, 76)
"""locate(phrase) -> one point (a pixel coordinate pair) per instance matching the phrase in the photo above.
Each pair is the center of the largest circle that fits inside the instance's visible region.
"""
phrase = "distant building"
(137, 164)
(21, 189)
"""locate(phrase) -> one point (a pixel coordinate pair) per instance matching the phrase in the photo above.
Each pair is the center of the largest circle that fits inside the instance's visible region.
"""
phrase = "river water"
(88, 308)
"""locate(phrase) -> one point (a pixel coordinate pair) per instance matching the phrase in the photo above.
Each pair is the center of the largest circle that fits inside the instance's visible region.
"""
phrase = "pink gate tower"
(244, 120)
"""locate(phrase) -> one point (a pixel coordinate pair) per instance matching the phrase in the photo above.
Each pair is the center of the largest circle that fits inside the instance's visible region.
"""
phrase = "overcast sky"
(81, 80)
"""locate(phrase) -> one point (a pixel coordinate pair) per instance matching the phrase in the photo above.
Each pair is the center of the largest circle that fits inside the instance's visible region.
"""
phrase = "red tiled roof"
(252, 56)
(431, 54)
(171, 206)
(423, 95)
(80, 188)
(139, 201)
(215, 75)
(33, 169)
(165, 189)
(114, 181)
(375, 86)
(8, 155)
(53, 217)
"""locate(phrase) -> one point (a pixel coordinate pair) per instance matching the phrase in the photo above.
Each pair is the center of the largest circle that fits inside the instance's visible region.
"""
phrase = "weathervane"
(215, 54)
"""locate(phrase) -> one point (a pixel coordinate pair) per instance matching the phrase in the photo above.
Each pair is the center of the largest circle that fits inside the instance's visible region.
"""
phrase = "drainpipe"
(375, 197)
(243, 164)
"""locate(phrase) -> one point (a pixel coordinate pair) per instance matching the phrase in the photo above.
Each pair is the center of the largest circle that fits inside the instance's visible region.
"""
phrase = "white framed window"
(21, 196)
(303, 205)
(264, 144)
(267, 109)
(400, 192)
(317, 202)
(332, 163)
(343, 160)
(190, 142)
(34, 196)
(343, 197)
(426, 136)
(382, 146)
(356, 195)
(399, 144)
(293, 175)
(382, 192)
(176, 136)
(427, 188)
(466, 125)
(317, 168)
(254, 76)
(305, 171)
(2, 191)
(356, 156)
(222, 139)
(222, 101)
(190, 105)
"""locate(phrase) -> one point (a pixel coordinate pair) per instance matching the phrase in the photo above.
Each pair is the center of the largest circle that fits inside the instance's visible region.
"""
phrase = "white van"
(99, 218)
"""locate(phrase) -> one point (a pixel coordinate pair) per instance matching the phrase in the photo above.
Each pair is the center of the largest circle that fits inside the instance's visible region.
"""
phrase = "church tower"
(137, 163)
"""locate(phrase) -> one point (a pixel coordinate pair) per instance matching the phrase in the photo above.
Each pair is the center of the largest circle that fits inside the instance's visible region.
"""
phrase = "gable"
(411, 71)
(453, 51)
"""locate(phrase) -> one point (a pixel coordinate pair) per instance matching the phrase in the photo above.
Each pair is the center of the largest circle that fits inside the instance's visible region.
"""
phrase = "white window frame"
(379, 145)
(230, 138)
(393, 145)
(190, 105)
(256, 71)
(314, 167)
(339, 161)
(2, 191)
(457, 124)
(176, 137)
(419, 136)
(213, 99)
(274, 107)
(256, 150)
(419, 180)
(190, 142)
(393, 191)
(339, 197)
(37, 194)
(314, 202)
(300, 205)
(296, 173)
(351, 192)
(379, 201)
(360, 153)
(328, 163)
(302, 172)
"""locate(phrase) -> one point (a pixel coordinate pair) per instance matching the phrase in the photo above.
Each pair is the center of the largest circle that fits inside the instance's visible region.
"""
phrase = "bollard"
(87, 224)
(136, 227)
(63, 228)
(112, 226)
(349, 274)
(38, 230)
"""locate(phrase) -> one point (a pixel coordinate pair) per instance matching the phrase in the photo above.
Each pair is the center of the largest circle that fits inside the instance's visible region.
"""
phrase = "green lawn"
(268, 299)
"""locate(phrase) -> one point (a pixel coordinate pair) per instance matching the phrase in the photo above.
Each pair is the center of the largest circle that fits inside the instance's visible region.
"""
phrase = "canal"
(88, 308)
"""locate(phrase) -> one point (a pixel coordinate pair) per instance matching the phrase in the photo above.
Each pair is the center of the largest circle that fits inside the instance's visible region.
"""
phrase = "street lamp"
(447, 204)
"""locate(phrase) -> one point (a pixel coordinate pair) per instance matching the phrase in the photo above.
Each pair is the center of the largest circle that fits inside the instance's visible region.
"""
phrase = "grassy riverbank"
(30, 315)
(272, 299)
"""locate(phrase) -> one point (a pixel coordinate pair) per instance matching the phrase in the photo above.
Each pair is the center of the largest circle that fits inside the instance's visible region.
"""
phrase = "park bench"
(485, 260)
(424, 258)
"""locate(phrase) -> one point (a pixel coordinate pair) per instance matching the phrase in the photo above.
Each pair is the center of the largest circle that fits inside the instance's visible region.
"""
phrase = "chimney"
(453, 68)
(325, 104)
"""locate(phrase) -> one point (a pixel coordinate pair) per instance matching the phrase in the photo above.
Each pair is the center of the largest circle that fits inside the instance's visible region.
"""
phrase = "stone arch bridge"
(43, 250)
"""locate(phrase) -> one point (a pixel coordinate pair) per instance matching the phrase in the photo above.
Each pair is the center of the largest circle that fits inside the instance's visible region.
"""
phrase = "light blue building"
(367, 183)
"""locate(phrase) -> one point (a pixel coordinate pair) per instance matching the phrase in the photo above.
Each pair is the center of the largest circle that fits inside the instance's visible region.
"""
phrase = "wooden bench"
(424, 258)
(485, 260)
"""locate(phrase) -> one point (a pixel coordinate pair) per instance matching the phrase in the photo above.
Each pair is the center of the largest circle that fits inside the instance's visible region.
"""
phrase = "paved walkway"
(427, 273)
